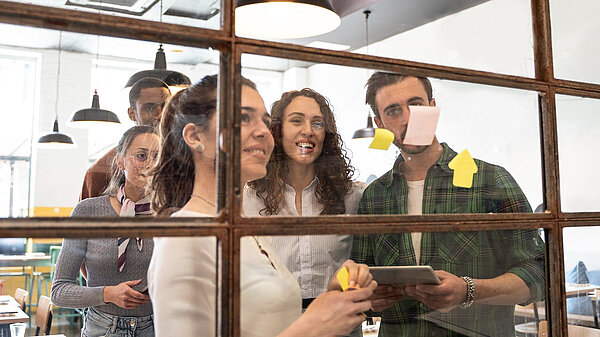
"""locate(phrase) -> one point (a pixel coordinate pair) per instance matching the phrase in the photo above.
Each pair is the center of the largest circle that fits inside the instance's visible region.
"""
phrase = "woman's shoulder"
(353, 197)
(96, 206)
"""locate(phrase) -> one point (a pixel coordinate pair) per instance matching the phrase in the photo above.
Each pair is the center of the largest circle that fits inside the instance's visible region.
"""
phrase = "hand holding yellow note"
(464, 167)
(342, 277)
(382, 140)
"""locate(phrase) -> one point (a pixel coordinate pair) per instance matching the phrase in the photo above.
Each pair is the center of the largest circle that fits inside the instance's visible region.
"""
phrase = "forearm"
(506, 289)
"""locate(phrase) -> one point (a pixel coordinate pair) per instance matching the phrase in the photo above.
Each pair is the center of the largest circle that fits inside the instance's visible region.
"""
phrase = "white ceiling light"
(328, 45)
(284, 19)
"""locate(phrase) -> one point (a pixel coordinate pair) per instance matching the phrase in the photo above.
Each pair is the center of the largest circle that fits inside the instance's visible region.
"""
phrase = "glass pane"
(577, 118)
(321, 165)
(468, 33)
(582, 277)
(197, 13)
(93, 283)
(574, 43)
(506, 267)
(57, 79)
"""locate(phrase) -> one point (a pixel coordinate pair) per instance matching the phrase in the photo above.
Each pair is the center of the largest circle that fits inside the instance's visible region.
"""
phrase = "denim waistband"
(119, 322)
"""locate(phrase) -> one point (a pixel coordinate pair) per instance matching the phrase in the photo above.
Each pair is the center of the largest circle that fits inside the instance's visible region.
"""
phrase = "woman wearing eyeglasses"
(116, 268)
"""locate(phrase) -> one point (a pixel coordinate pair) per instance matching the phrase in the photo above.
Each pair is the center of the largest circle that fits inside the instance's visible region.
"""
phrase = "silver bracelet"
(470, 292)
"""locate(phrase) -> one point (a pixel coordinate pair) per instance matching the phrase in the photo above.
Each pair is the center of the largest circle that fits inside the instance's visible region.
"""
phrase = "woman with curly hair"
(307, 175)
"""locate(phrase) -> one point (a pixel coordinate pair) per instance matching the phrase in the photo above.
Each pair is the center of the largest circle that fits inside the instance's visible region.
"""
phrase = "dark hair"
(332, 167)
(118, 177)
(144, 83)
(173, 175)
(381, 79)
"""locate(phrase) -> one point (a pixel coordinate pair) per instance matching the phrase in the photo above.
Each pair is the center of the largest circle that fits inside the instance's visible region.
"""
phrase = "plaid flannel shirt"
(482, 254)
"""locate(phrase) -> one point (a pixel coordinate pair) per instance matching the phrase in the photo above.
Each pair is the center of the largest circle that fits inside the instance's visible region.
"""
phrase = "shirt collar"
(313, 184)
(442, 162)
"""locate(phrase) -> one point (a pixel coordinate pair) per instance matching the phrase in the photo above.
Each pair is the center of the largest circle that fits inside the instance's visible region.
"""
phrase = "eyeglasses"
(142, 158)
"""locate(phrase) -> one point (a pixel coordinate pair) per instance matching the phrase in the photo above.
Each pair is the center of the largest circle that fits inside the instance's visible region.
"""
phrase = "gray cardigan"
(101, 264)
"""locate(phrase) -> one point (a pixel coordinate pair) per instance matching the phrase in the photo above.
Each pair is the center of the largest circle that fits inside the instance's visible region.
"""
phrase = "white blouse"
(182, 282)
(312, 259)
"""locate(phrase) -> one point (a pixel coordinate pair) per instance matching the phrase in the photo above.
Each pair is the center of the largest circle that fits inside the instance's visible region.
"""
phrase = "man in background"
(147, 98)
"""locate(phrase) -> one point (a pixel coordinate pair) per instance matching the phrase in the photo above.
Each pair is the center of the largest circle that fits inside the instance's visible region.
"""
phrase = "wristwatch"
(470, 292)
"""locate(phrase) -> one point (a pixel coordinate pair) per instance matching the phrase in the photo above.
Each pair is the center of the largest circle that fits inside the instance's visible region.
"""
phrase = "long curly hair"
(332, 168)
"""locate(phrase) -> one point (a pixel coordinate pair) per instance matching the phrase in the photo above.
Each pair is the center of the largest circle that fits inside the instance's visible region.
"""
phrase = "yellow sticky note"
(342, 277)
(382, 140)
(464, 168)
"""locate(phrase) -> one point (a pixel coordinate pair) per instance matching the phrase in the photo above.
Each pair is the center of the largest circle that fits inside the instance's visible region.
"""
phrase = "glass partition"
(325, 153)
(471, 34)
(574, 43)
(489, 283)
(93, 283)
(577, 118)
(582, 277)
(202, 14)
(84, 83)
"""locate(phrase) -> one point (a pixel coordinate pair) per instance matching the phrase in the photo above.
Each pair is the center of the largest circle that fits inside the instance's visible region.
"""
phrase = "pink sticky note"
(421, 125)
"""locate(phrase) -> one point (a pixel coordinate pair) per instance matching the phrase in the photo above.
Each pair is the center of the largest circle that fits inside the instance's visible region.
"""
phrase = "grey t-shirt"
(101, 264)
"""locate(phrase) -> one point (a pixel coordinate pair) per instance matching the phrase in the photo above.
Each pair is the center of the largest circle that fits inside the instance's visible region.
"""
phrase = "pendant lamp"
(170, 77)
(369, 131)
(55, 139)
(94, 116)
(289, 19)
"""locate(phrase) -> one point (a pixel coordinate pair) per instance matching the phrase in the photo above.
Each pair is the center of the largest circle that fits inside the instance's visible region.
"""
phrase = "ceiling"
(388, 18)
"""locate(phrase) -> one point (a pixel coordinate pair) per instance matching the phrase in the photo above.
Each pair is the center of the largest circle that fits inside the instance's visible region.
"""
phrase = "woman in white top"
(308, 175)
(182, 274)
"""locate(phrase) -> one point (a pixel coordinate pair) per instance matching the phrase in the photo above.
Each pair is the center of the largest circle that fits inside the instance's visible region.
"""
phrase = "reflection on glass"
(574, 59)
(582, 275)
(307, 172)
(577, 119)
(435, 32)
(506, 268)
(56, 180)
(203, 14)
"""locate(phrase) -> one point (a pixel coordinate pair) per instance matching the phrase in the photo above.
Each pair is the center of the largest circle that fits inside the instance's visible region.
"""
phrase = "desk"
(9, 305)
(27, 260)
(579, 290)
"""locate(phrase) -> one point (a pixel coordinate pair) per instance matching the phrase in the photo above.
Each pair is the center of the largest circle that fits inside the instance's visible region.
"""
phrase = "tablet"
(404, 275)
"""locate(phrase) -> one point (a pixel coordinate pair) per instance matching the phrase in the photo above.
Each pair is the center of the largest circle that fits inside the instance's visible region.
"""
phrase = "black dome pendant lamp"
(170, 77)
(55, 139)
(90, 117)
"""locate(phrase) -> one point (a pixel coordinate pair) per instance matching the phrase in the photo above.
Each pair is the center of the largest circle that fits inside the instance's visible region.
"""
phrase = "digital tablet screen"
(404, 275)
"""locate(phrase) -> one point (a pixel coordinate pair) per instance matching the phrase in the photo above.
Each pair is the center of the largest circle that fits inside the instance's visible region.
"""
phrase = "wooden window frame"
(229, 226)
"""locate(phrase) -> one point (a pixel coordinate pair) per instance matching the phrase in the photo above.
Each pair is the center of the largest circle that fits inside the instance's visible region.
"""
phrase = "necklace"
(202, 198)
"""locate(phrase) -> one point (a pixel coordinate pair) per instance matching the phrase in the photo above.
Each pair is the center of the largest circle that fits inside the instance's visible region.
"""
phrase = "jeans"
(99, 324)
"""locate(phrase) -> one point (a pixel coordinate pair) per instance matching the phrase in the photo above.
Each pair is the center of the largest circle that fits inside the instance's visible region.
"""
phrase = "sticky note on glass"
(464, 168)
(382, 140)
(421, 125)
(342, 277)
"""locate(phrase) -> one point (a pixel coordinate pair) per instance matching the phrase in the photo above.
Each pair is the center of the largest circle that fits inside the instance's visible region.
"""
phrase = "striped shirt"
(482, 254)
(312, 259)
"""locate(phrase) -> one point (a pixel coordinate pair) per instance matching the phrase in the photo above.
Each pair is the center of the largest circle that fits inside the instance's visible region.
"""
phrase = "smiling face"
(303, 130)
(256, 139)
(138, 159)
(392, 103)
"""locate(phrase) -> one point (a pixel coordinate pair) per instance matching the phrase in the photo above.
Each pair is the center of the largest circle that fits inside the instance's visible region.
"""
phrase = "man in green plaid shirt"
(483, 274)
